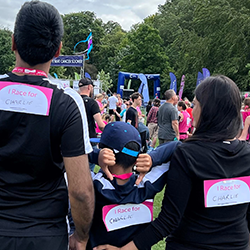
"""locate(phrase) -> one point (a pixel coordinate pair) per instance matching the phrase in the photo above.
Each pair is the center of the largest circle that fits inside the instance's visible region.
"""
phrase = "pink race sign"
(227, 192)
(25, 98)
(121, 216)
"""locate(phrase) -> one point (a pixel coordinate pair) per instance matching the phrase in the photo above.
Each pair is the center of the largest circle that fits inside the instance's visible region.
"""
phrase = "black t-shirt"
(92, 108)
(132, 114)
(184, 216)
(33, 192)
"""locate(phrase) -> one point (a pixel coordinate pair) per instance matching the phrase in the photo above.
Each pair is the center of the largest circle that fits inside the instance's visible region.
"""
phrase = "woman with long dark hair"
(207, 196)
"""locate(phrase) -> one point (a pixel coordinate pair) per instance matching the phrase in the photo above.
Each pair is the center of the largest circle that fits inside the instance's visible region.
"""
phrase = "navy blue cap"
(117, 134)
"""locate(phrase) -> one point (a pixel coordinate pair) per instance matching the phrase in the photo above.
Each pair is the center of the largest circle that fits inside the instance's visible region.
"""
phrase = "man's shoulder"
(154, 108)
(132, 110)
(166, 106)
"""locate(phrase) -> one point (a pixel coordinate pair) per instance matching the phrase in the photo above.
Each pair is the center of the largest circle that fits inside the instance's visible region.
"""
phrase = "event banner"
(206, 73)
(182, 87)
(200, 77)
(68, 61)
(173, 80)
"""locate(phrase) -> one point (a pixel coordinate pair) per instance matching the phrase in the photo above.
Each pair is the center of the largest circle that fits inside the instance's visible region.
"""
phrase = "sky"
(125, 12)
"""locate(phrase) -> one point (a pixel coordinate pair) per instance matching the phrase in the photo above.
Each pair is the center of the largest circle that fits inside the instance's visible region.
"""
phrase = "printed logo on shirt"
(227, 192)
(25, 98)
(121, 216)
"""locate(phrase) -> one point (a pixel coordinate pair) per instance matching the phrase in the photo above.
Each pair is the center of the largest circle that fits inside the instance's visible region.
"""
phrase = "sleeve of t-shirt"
(75, 135)
(123, 112)
(94, 107)
(129, 115)
(174, 114)
(173, 205)
(163, 153)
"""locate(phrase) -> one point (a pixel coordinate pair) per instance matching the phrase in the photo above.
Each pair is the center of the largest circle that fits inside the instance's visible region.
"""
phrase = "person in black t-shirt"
(43, 133)
(92, 109)
(132, 113)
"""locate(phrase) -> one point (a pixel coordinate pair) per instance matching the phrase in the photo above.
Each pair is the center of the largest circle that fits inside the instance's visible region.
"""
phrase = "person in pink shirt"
(99, 98)
(184, 120)
(106, 119)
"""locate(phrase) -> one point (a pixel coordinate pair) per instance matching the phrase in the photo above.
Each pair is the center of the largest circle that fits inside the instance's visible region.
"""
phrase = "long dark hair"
(220, 102)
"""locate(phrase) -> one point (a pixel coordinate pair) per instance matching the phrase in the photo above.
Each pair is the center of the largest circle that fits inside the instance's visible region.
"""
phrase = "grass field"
(157, 208)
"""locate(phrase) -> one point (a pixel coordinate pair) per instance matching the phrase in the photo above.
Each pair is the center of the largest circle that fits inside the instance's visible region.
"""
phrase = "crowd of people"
(53, 137)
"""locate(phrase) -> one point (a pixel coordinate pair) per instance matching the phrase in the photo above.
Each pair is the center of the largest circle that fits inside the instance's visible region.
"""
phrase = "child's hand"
(143, 165)
(106, 158)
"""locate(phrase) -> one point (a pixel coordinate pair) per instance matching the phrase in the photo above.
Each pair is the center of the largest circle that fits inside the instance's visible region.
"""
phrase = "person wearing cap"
(121, 210)
(86, 90)
(43, 133)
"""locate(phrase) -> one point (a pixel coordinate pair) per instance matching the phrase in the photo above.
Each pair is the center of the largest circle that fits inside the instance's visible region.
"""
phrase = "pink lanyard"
(123, 176)
(27, 71)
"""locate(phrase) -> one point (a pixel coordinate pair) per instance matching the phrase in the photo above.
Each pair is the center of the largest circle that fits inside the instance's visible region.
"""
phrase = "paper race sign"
(227, 192)
(121, 216)
(24, 98)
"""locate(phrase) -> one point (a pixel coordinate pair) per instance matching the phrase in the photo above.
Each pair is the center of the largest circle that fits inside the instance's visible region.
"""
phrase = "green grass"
(157, 208)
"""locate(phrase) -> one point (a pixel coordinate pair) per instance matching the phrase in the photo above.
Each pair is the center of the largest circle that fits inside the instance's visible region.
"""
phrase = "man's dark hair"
(122, 159)
(169, 94)
(135, 95)
(220, 102)
(38, 32)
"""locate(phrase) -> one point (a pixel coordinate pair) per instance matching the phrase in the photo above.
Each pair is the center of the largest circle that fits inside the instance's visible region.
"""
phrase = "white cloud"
(125, 12)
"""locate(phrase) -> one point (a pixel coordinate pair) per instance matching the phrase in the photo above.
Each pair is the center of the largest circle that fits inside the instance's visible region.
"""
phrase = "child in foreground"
(122, 208)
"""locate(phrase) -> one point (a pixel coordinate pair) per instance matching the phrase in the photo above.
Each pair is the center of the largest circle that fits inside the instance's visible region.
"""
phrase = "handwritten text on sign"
(121, 216)
(24, 98)
(227, 192)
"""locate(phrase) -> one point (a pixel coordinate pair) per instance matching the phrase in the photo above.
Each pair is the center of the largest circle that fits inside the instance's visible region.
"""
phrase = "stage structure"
(126, 75)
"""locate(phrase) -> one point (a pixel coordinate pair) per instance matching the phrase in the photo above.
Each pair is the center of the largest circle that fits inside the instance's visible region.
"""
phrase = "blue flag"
(173, 82)
(87, 75)
(206, 73)
(143, 89)
(199, 78)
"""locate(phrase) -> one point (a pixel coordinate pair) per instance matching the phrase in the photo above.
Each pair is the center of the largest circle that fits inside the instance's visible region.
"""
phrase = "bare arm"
(117, 114)
(81, 195)
(99, 121)
(182, 117)
(175, 126)
(103, 107)
(244, 133)
(129, 246)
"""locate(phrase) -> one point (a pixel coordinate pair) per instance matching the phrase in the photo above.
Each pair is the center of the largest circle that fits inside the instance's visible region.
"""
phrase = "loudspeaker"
(127, 93)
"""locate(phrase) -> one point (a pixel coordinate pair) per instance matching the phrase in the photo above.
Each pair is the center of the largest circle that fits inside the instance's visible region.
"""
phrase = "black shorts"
(34, 243)
(111, 112)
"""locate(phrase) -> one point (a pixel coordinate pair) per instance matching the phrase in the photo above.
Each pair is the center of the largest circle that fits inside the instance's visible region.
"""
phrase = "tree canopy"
(183, 37)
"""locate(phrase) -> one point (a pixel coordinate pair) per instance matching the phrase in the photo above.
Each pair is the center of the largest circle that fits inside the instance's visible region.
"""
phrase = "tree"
(105, 80)
(146, 53)
(7, 57)
(112, 49)
(77, 27)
